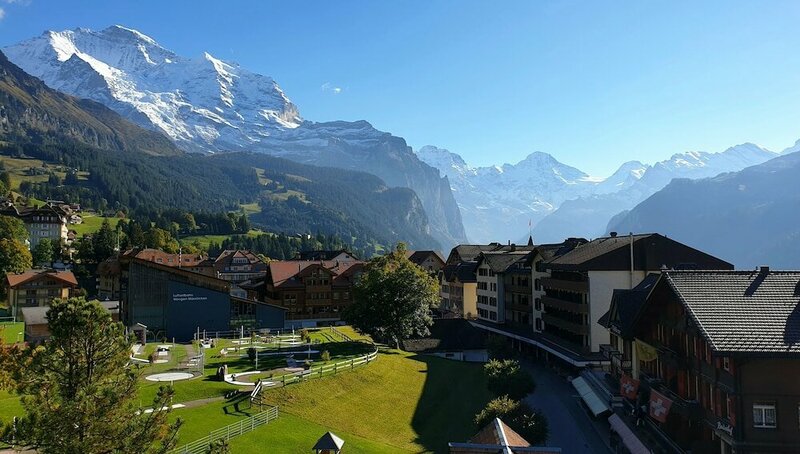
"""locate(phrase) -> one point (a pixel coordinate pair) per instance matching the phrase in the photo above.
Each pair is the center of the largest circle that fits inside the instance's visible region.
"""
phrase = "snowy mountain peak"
(203, 104)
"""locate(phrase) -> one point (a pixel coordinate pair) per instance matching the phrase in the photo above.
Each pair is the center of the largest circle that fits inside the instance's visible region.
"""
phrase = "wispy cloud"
(17, 2)
(2, 13)
(329, 87)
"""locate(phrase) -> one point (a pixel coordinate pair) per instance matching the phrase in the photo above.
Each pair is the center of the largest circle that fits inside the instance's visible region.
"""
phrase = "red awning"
(629, 439)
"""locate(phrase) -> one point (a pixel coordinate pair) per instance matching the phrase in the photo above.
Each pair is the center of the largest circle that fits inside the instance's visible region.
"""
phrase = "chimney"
(613, 234)
(763, 269)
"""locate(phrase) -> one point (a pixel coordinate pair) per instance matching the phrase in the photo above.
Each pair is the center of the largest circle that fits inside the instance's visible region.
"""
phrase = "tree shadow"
(453, 393)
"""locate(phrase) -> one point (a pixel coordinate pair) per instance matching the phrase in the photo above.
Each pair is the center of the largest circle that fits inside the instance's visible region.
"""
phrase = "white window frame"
(761, 410)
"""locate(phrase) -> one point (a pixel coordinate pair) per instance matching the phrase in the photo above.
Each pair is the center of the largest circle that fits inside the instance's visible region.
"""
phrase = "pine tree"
(78, 394)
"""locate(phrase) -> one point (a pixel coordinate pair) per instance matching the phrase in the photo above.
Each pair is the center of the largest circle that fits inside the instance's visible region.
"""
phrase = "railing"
(574, 328)
(564, 305)
(321, 371)
(562, 284)
(344, 336)
(226, 433)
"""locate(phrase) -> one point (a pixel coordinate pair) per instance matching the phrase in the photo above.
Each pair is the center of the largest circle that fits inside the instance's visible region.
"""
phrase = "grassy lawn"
(289, 434)
(399, 403)
(92, 223)
(9, 331)
(206, 240)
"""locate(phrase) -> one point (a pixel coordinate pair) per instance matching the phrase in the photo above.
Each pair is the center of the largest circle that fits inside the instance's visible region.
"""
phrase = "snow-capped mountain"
(206, 104)
(203, 104)
(498, 202)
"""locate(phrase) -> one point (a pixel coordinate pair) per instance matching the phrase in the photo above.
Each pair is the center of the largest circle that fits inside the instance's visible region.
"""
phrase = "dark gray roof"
(470, 252)
(651, 251)
(500, 261)
(743, 311)
(329, 442)
(451, 334)
(626, 304)
(464, 271)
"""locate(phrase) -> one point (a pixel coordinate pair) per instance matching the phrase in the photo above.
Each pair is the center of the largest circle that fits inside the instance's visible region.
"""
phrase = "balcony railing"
(577, 308)
(561, 284)
(688, 408)
(574, 328)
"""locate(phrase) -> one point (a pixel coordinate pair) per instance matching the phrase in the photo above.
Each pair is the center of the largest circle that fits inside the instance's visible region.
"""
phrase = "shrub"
(529, 423)
(304, 335)
(251, 353)
(325, 356)
(506, 377)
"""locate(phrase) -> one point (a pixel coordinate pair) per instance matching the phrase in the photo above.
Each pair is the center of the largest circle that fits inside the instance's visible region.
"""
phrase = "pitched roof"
(280, 272)
(626, 305)
(463, 271)
(499, 261)
(452, 334)
(15, 279)
(498, 433)
(742, 311)
(323, 255)
(420, 256)
(329, 441)
(651, 251)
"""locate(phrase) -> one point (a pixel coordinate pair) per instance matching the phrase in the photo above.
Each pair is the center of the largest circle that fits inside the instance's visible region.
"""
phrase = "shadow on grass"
(453, 393)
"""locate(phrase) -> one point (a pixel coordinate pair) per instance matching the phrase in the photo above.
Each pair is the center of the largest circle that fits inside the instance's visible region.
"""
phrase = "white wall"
(601, 289)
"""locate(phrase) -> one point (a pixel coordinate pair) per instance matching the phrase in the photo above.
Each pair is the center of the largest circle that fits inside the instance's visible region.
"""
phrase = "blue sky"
(594, 83)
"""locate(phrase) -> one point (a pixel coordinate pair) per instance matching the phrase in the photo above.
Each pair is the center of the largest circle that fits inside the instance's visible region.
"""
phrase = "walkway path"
(572, 428)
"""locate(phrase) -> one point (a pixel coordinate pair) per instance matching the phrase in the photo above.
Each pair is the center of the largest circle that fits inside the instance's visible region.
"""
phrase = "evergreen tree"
(78, 395)
(44, 252)
(529, 423)
(104, 241)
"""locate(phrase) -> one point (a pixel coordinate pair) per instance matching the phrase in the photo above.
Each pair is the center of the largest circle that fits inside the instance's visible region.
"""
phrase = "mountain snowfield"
(498, 202)
(203, 104)
(209, 105)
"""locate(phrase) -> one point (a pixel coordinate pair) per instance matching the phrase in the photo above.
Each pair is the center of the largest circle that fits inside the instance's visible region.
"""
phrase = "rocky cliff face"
(208, 105)
(30, 111)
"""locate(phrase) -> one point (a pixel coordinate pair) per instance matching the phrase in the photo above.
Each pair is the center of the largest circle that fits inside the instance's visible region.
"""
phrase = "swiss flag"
(659, 406)
(628, 387)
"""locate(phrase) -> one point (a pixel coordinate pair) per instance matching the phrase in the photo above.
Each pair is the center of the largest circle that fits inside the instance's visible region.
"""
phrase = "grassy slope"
(92, 223)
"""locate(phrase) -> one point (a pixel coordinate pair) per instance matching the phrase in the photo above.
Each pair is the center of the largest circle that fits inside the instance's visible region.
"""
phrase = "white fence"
(256, 398)
(226, 433)
(327, 369)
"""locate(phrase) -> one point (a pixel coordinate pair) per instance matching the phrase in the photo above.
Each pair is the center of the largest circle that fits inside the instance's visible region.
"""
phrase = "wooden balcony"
(569, 306)
(574, 328)
(561, 284)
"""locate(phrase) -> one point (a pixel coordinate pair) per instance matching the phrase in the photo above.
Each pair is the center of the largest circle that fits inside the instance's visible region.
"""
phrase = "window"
(538, 302)
(538, 324)
(726, 363)
(493, 315)
(764, 416)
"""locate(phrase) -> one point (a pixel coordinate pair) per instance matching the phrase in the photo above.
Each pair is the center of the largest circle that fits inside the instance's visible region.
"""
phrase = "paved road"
(572, 428)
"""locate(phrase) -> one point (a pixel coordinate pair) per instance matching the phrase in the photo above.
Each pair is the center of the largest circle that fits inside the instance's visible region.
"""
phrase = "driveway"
(572, 428)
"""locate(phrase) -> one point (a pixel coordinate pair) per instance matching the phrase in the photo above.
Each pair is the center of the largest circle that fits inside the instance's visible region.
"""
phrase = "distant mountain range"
(141, 169)
(558, 200)
(750, 217)
(209, 105)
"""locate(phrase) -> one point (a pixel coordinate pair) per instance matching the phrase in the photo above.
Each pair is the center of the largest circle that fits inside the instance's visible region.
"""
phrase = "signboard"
(659, 406)
(725, 427)
(628, 387)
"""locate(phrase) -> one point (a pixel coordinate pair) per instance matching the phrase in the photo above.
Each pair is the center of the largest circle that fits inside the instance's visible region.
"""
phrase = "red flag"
(659, 406)
(628, 387)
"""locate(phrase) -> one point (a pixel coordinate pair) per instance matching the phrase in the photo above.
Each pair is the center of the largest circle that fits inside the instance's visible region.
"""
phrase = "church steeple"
(530, 240)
